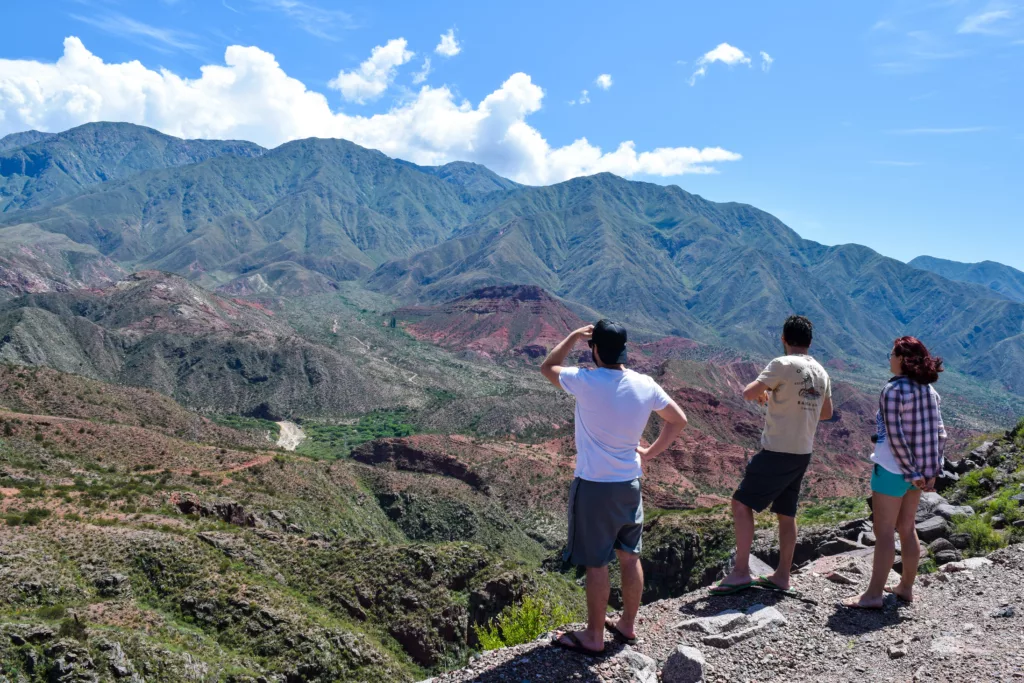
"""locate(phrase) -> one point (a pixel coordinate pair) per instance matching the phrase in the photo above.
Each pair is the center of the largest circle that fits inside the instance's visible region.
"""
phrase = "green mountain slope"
(51, 167)
(312, 214)
(328, 206)
(28, 137)
(1002, 279)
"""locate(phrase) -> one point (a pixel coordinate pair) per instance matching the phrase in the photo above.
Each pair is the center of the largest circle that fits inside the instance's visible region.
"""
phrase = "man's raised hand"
(585, 332)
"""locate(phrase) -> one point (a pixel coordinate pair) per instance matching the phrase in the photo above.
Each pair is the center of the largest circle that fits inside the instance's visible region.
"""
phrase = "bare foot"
(618, 624)
(780, 581)
(586, 640)
(864, 602)
(737, 579)
(904, 594)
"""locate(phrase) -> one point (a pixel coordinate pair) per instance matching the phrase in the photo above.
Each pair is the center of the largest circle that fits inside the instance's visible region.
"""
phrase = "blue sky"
(897, 126)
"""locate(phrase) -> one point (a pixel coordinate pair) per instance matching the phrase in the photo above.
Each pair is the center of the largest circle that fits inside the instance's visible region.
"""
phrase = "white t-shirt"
(612, 409)
(799, 387)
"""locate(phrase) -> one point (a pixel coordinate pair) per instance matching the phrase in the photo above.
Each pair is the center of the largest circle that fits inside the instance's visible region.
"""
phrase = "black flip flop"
(619, 635)
(576, 646)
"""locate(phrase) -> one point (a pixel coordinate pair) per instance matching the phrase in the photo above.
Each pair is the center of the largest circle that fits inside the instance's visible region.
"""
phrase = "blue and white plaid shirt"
(913, 426)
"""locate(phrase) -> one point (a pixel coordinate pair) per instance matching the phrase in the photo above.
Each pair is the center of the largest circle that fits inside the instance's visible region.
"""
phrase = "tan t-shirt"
(799, 386)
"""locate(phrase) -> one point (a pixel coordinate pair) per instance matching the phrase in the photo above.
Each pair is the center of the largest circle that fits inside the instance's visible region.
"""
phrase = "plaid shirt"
(914, 427)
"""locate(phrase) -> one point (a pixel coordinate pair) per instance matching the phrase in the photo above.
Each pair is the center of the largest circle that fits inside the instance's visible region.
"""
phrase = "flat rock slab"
(970, 564)
(948, 512)
(732, 626)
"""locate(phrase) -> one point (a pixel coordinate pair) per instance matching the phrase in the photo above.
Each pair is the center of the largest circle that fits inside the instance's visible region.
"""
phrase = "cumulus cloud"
(421, 75)
(448, 47)
(766, 61)
(373, 76)
(251, 97)
(604, 81)
(725, 53)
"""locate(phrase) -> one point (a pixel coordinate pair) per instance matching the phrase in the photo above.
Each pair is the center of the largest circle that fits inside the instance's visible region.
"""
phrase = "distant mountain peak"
(1002, 279)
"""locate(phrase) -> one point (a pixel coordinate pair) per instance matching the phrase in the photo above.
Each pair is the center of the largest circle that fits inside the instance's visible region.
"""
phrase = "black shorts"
(773, 479)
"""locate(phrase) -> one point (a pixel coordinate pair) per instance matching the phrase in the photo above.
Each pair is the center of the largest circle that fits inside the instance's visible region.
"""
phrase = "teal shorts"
(888, 484)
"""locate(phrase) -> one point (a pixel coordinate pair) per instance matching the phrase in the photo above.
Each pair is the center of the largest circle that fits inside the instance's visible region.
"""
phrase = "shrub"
(73, 628)
(52, 612)
(984, 539)
(970, 484)
(833, 511)
(518, 624)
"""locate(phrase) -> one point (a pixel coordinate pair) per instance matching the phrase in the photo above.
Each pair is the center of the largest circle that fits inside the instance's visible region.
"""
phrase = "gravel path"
(963, 626)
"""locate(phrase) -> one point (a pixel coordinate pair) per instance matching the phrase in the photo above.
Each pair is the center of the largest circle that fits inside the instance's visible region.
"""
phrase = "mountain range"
(1005, 280)
(310, 215)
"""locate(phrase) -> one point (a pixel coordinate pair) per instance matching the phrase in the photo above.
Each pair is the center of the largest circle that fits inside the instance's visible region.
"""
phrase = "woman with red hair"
(908, 455)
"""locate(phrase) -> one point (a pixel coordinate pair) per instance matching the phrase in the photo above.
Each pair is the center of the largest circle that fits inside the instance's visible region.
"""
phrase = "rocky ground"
(964, 625)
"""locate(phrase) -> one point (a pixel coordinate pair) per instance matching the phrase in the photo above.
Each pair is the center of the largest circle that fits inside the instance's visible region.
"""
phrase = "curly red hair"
(918, 364)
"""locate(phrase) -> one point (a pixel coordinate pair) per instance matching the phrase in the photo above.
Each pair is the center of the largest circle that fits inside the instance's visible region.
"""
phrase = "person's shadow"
(550, 663)
(856, 622)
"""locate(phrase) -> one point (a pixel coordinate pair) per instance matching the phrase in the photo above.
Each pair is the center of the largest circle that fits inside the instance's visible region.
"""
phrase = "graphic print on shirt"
(808, 392)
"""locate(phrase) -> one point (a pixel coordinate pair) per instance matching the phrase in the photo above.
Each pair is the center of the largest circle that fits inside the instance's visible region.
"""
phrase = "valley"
(277, 414)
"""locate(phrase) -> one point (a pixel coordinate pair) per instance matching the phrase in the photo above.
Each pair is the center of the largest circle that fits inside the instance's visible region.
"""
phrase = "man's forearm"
(669, 432)
(562, 349)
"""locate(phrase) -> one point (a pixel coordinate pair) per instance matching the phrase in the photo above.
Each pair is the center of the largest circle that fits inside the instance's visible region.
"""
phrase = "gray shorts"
(603, 517)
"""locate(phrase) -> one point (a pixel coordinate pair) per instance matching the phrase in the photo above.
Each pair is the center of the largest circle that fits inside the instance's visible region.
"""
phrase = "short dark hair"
(798, 331)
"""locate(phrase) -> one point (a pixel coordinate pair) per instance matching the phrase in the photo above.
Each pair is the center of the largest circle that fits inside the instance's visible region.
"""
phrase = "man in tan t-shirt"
(798, 393)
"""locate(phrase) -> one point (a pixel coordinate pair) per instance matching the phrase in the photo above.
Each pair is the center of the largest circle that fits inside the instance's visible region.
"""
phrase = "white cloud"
(725, 53)
(584, 98)
(448, 47)
(766, 61)
(604, 81)
(985, 22)
(373, 76)
(157, 38)
(251, 97)
(421, 75)
(322, 23)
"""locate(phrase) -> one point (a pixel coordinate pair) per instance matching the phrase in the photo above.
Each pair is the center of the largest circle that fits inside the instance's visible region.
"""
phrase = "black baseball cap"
(610, 338)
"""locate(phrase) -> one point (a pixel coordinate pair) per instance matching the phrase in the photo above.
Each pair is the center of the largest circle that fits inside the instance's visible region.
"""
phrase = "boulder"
(643, 668)
(868, 538)
(946, 480)
(944, 557)
(940, 544)
(838, 545)
(971, 563)
(960, 541)
(685, 665)
(1019, 523)
(998, 521)
(929, 501)
(759, 617)
(932, 528)
(947, 511)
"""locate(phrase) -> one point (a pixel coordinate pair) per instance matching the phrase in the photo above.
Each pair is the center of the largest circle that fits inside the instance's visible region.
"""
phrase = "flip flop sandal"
(576, 645)
(768, 584)
(619, 635)
(729, 588)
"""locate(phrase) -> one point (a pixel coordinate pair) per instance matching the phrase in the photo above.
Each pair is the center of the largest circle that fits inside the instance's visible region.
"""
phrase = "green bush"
(984, 539)
(522, 623)
(52, 612)
(73, 628)
(833, 511)
(970, 484)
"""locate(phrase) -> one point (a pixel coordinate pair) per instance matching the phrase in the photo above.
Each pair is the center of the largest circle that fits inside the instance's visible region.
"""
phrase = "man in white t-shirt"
(606, 514)
(798, 393)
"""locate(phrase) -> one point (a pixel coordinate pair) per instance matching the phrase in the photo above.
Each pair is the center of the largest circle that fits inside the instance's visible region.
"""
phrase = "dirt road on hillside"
(291, 436)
